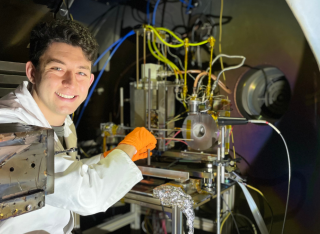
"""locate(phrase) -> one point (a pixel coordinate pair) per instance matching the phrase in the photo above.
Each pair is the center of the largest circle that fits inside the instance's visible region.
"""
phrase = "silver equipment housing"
(26, 168)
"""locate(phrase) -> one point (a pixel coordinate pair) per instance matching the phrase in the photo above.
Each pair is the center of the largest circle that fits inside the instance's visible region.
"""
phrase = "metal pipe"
(218, 191)
(177, 227)
(160, 138)
(137, 57)
(144, 52)
(149, 110)
(121, 106)
(223, 130)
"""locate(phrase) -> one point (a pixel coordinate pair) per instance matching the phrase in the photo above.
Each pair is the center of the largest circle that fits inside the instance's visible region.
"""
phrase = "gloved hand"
(105, 154)
(139, 155)
(141, 139)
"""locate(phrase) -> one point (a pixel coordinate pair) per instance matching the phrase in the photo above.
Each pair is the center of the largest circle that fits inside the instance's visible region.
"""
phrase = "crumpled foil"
(171, 196)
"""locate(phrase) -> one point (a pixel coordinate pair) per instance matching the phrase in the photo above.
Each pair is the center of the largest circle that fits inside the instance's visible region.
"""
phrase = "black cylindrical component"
(231, 121)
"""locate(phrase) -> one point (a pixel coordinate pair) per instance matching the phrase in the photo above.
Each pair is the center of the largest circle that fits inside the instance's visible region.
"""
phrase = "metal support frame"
(177, 220)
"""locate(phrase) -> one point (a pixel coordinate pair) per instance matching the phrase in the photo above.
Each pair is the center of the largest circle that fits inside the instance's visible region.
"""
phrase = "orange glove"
(139, 155)
(141, 139)
(105, 154)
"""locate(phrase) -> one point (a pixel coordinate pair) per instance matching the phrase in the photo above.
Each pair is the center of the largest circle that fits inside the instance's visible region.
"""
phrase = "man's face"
(62, 80)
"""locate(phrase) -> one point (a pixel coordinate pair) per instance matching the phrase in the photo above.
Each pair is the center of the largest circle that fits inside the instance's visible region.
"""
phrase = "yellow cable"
(164, 59)
(175, 36)
(257, 190)
(163, 41)
(186, 45)
(185, 87)
(174, 67)
(220, 37)
(171, 33)
(211, 41)
(104, 143)
(234, 151)
(224, 220)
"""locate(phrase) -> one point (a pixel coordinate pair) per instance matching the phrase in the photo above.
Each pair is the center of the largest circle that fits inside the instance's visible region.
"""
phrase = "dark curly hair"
(69, 32)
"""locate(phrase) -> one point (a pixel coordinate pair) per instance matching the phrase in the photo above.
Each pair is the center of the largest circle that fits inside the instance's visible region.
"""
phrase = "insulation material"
(175, 196)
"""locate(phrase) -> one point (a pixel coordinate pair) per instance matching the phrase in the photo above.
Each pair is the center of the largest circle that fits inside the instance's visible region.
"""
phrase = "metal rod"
(149, 109)
(160, 129)
(137, 58)
(160, 138)
(177, 227)
(223, 130)
(218, 191)
(121, 106)
(180, 139)
(144, 52)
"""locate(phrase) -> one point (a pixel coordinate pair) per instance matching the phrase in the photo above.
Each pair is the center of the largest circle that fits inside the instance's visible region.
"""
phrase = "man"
(59, 71)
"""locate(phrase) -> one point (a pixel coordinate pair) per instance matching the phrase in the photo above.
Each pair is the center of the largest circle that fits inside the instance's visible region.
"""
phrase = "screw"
(28, 207)
(40, 204)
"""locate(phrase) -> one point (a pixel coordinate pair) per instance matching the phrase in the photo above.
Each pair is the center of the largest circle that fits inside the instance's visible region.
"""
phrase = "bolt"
(28, 207)
(40, 204)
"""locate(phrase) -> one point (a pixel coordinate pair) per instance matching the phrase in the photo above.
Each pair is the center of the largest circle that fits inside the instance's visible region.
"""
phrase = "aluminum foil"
(175, 196)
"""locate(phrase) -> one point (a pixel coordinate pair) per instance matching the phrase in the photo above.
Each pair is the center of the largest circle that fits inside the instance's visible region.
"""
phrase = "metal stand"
(177, 220)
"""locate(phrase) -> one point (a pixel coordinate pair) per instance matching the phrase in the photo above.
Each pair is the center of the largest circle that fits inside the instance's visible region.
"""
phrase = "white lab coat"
(83, 186)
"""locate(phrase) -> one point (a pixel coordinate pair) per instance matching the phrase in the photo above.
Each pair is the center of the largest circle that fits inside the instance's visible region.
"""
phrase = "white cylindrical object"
(223, 130)
(218, 191)
(121, 96)
(121, 106)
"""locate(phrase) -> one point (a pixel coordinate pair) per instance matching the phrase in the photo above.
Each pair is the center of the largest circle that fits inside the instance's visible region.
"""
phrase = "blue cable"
(148, 11)
(100, 74)
(184, 2)
(189, 7)
(106, 51)
(154, 13)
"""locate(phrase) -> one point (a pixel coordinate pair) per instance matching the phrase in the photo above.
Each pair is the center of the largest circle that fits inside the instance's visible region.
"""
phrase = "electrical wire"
(148, 11)
(251, 223)
(171, 45)
(220, 38)
(289, 166)
(226, 69)
(100, 74)
(258, 191)
(106, 51)
(235, 223)
(223, 221)
(173, 137)
(154, 12)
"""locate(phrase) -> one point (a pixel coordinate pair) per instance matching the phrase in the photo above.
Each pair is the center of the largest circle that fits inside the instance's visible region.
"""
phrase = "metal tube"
(144, 52)
(218, 190)
(223, 130)
(121, 106)
(177, 227)
(137, 58)
(160, 138)
(149, 110)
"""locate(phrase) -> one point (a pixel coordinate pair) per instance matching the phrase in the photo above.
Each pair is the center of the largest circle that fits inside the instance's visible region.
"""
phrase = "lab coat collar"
(29, 104)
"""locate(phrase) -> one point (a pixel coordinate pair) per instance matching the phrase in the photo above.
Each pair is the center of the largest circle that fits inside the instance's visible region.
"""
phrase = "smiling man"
(59, 73)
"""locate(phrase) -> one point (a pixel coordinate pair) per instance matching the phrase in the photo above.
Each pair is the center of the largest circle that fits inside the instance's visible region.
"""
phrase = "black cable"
(248, 220)
(235, 223)
(182, 15)
(241, 157)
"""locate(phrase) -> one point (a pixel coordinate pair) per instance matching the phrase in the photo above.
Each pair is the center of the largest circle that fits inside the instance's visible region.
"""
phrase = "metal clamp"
(71, 150)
